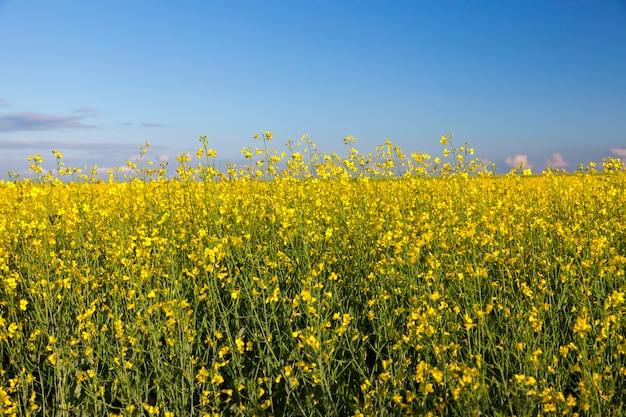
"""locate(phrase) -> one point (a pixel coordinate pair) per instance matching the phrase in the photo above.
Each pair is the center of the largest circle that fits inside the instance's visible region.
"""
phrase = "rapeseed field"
(306, 283)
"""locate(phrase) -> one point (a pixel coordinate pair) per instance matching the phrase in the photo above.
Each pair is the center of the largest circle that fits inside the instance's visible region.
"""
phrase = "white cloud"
(105, 170)
(517, 160)
(137, 158)
(557, 161)
(619, 151)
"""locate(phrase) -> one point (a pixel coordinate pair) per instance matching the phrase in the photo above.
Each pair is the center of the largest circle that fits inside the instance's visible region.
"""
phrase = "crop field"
(306, 283)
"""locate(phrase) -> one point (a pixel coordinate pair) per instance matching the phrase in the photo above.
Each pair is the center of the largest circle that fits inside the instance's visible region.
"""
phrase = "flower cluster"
(306, 283)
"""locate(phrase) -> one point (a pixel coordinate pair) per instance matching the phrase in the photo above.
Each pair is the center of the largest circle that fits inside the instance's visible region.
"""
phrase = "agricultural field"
(312, 284)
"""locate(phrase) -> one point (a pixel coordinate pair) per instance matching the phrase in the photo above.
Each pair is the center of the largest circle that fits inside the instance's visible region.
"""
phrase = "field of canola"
(310, 284)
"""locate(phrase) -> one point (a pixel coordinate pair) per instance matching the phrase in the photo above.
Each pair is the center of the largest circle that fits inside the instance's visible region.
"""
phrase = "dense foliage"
(310, 284)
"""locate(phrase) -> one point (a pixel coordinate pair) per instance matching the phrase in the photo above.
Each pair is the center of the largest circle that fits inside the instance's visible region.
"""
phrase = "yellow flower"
(549, 407)
(437, 374)
(151, 410)
(312, 341)
(582, 325)
(571, 401)
(202, 375)
(469, 323)
(384, 376)
(223, 351)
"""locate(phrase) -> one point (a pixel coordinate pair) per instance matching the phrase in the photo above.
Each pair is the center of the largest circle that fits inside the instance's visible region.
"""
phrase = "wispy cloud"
(85, 109)
(619, 152)
(108, 147)
(557, 161)
(146, 124)
(29, 121)
(517, 160)
(36, 144)
(4, 102)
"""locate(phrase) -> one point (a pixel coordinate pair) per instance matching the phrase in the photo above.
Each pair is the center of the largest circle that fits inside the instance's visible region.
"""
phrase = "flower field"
(306, 283)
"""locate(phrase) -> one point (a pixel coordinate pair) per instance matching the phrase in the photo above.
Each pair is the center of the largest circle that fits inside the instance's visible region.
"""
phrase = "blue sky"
(540, 81)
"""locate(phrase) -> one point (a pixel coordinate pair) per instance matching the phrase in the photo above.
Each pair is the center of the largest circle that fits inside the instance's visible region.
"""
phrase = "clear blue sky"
(517, 79)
